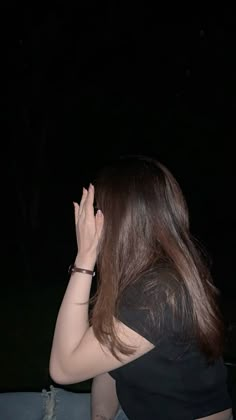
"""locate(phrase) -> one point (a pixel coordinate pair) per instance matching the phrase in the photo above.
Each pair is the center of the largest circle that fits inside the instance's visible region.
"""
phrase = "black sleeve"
(133, 313)
(145, 306)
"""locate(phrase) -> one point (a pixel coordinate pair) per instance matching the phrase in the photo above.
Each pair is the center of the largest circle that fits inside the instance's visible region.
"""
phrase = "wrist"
(85, 261)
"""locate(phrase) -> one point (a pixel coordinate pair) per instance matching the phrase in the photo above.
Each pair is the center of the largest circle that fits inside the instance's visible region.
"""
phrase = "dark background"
(83, 85)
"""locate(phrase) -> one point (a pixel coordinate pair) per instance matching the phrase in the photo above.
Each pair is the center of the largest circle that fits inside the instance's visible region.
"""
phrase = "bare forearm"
(72, 321)
(104, 401)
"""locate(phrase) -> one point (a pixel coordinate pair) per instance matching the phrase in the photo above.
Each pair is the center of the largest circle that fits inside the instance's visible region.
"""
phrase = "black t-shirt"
(173, 380)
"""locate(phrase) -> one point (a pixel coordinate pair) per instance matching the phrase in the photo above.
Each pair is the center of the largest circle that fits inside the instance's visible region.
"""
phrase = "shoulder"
(149, 305)
(159, 282)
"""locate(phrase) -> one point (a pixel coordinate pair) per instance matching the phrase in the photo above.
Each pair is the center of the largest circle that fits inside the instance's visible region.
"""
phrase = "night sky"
(81, 86)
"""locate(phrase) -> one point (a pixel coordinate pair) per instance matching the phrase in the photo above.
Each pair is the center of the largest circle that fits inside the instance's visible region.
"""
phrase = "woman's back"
(174, 380)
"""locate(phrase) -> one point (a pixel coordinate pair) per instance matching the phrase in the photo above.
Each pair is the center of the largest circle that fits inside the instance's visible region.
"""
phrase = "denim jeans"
(56, 404)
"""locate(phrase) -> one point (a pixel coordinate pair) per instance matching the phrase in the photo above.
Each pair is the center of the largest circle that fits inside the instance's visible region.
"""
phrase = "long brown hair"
(145, 222)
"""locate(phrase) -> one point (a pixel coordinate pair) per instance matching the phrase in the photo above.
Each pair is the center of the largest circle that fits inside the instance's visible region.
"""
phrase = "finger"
(99, 221)
(76, 210)
(83, 199)
(88, 205)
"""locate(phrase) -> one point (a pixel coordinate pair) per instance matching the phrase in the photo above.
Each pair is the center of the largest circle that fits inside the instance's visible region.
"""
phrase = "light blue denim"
(56, 404)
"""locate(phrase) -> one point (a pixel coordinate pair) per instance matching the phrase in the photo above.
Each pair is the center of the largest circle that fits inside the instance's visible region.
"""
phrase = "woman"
(154, 340)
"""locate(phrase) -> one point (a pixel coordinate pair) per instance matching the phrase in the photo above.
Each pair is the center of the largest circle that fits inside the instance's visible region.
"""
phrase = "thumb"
(76, 210)
(99, 220)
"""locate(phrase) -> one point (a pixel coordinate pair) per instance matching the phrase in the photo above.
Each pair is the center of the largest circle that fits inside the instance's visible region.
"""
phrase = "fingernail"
(99, 212)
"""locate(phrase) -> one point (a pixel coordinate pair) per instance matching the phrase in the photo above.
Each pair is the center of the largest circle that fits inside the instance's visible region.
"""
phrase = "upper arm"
(91, 359)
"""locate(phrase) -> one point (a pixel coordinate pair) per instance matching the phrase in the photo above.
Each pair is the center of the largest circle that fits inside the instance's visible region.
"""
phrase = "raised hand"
(88, 227)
